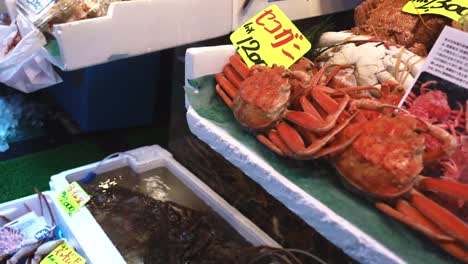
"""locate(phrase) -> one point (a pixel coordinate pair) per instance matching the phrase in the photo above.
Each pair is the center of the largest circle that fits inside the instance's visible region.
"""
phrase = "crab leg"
(227, 86)
(227, 100)
(454, 189)
(308, 121)
(239, 65)
(324, 100)
(295, 142)
(232, 75)
(309, 108)
(275, 143)
(335, 148)
(451, 247)
(332, 74)
(443, 218)
(411, 223)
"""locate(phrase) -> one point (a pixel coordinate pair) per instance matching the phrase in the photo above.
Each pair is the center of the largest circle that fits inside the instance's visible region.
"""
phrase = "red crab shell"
(262, 98)
(388, 147)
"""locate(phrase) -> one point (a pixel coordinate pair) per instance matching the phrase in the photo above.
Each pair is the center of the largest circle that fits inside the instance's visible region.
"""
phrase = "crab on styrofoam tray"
(311, 189)
(374, 62)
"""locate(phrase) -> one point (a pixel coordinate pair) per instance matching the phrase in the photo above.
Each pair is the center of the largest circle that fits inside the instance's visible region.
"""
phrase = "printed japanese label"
(36, 6)
(63, 254)
(73, 198)
(439, 95)
(448, 58)
(270, 38)
(453, 9)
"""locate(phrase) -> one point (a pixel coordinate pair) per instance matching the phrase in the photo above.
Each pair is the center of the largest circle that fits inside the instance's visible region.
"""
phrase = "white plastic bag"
(25, 67)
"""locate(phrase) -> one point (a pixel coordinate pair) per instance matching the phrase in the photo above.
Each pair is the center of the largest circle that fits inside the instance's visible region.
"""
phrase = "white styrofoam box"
(82, 234)
(137, 27)
(151, 157)
(338, 230)
(294, 9)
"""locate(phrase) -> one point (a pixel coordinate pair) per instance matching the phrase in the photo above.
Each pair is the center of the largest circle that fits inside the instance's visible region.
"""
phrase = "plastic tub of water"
(144, 197)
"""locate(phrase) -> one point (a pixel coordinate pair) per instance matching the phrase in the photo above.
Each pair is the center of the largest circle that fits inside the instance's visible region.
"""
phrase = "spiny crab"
(385, 162)
(381, 156)
(264, 98)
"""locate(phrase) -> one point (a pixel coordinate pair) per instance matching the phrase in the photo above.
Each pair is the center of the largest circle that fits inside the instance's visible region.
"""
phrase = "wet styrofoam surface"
(151, 157)
(353, 241)
(81, 233)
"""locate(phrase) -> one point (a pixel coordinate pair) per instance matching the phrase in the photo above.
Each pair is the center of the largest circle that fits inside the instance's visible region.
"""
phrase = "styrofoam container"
(82, 233)
(295, 9)
(151, 157)
(137, 27)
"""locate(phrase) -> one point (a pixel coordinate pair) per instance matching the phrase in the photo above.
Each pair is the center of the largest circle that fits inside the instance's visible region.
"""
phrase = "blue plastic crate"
(118, 94)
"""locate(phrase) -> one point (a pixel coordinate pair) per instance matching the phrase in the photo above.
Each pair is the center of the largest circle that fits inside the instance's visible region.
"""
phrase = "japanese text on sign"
(453, 9)
(448, 58)
(63, 254)
(73, 198)
(270, 38)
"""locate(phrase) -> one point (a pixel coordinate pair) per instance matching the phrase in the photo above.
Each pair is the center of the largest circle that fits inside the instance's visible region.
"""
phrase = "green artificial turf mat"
(18, 177)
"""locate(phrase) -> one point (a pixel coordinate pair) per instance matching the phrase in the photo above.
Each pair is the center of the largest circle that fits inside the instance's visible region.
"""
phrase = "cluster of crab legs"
(295, 113)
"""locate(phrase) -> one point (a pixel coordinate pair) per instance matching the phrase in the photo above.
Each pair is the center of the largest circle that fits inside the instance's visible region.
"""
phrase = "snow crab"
(263, 99)
(393, 148)
(389, 145)
(373, 61)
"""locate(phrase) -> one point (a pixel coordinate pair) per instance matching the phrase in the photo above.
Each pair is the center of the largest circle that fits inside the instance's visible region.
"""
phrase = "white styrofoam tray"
(357, 244)
(137, 27)
(294, 9)
(80, 233)
(151, 157)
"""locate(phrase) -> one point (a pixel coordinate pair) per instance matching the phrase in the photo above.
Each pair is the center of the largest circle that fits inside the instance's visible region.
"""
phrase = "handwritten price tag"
(63, 254)
(270, 38)
(73, 198)
(453, 9)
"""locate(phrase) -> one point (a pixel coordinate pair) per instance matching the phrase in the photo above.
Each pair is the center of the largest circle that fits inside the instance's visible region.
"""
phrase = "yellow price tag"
(270, 38)
(453, 9)
(73, 198)
(63, 254)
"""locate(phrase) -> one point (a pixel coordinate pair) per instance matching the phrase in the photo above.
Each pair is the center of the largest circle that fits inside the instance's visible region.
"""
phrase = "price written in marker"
(63, 254)
(270, 38)
(73, 198)
(453, 9)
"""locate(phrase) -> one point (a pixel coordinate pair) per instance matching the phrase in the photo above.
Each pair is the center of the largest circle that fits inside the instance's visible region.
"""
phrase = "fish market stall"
(253, 132)
(280, 127)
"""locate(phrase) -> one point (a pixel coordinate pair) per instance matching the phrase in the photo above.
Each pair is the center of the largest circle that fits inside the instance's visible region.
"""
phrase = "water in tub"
(154, 218)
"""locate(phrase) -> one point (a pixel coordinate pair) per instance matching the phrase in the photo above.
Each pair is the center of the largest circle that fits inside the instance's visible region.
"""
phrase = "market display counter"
(311, 189)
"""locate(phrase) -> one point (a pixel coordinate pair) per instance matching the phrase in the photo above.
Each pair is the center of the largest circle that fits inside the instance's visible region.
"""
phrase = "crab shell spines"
(386, 158)
(262, 98)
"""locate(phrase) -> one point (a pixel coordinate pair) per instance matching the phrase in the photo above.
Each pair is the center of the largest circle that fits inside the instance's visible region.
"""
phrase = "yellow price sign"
(453, 9)
(270, 38)
(73, 198)
(63, 254)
